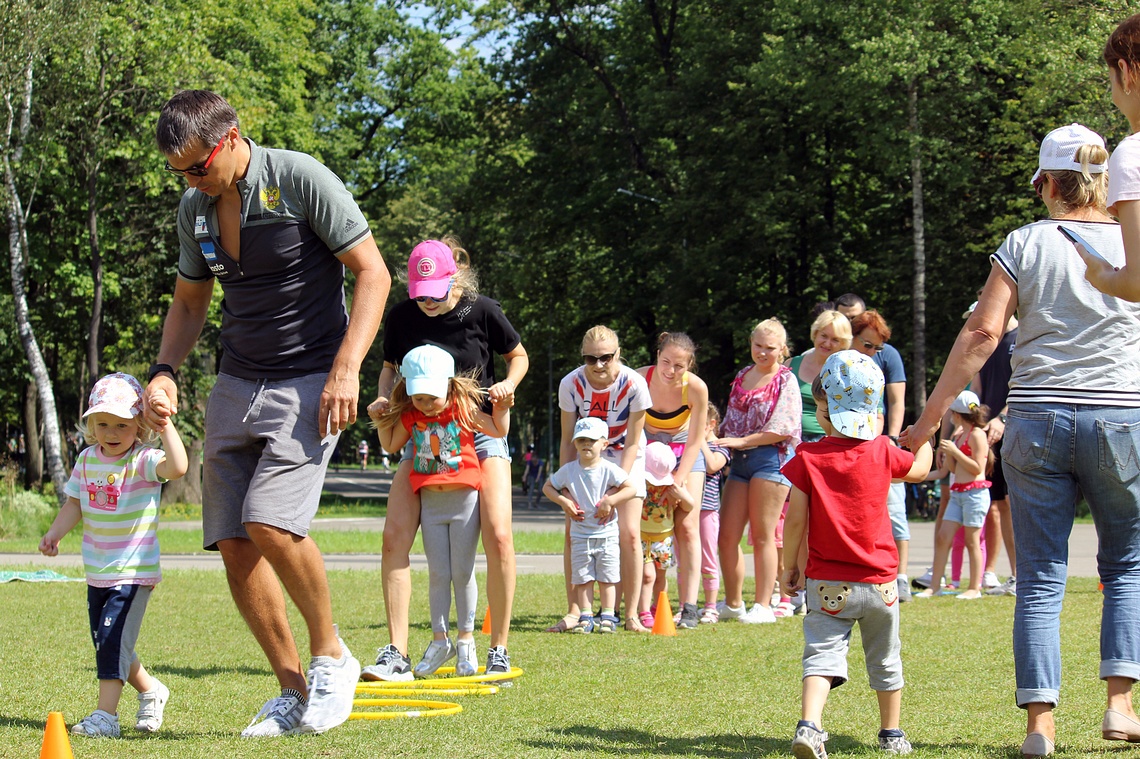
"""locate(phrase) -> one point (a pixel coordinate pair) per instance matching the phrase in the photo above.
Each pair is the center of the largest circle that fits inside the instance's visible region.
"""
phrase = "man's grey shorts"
(595, 559)
(833, 609)
(264, 460)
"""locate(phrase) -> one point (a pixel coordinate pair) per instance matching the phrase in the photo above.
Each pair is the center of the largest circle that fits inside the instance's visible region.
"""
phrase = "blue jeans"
(1050, 451)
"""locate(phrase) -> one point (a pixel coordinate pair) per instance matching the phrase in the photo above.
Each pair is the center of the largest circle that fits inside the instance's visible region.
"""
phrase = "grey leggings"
(450, 524)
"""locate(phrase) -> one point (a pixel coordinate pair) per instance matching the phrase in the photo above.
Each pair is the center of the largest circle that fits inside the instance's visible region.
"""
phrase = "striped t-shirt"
(119, 501)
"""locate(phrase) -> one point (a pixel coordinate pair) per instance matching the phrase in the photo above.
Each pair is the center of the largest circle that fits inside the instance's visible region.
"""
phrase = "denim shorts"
(968, 507)
(896, 508)
(761, 462)
(677, 441)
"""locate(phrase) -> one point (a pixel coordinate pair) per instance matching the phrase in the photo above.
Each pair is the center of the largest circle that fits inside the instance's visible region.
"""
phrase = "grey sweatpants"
(450, 524)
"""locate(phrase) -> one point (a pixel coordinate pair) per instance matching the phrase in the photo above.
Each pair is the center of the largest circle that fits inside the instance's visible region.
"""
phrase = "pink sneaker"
(784, 608)
(646, 619)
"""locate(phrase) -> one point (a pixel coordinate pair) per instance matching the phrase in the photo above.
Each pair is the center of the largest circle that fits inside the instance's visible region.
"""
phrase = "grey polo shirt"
(283, 311)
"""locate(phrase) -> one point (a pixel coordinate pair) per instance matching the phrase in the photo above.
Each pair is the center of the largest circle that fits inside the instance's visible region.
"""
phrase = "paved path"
(350, 483)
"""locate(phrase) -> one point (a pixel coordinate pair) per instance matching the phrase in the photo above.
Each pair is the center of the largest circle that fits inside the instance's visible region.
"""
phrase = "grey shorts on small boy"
(834, 606)
(595, 559)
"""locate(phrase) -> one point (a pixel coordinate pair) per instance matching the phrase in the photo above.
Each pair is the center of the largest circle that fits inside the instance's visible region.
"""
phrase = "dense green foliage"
(653, 165)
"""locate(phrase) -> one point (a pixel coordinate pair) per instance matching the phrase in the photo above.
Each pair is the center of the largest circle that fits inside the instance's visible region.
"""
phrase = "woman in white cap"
(444, 308)
(1072, 427)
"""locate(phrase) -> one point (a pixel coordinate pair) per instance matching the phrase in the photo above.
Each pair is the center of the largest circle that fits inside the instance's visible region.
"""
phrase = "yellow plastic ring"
(443, 688)
(481, 677)
(412, 708)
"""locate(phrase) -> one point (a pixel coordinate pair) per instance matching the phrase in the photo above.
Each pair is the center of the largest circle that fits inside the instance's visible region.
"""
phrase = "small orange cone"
(56, 744)
(487, 622)
(663, 620)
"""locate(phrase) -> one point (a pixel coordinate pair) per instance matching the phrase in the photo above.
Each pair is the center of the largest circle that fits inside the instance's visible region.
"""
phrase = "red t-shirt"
(849, 530)
(443, 453)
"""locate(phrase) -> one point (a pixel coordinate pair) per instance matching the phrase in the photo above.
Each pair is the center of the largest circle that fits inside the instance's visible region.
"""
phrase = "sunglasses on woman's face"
(871, 346)
(603, 359)
(446, 295)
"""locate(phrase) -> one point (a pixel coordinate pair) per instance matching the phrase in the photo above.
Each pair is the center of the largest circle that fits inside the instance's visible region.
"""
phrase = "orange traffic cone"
(663, 620)
(487, 622)
(56, 744)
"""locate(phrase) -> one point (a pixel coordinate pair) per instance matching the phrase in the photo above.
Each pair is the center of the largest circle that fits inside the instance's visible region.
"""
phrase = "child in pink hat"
(662, 497)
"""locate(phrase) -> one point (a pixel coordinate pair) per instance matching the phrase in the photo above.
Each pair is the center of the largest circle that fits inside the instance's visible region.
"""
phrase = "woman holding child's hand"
(1073, 421)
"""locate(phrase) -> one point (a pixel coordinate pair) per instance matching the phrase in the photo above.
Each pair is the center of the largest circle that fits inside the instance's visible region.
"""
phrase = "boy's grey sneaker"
(729, 612)
(498, 663)
(391, 666)
(466, 660)
(689, 617)
(97, 724)
(903, 585)
(332, 687)
(438, 651)
(809, 740)
(279, 716)
(151, 706)
(894, 742)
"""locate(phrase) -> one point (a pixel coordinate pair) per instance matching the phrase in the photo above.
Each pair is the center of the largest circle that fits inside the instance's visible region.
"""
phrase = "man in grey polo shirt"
(276, 229)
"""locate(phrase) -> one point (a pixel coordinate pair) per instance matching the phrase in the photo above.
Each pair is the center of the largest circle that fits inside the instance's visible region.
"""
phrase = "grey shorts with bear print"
(834, 606)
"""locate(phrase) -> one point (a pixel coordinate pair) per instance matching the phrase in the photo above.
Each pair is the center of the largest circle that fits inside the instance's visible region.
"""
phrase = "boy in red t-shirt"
(839, 486)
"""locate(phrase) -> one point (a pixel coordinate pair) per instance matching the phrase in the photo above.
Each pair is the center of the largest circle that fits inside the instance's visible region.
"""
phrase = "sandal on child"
(607, 623)
(585, 625)
(709, 615)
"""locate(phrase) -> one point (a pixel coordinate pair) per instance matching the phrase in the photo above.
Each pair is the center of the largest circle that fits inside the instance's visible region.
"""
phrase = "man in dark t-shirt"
(276, 229)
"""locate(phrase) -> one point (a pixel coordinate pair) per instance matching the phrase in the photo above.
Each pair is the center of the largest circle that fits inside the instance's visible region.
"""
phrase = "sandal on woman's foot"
(559, 627)
(1036, 745)
(633, 625)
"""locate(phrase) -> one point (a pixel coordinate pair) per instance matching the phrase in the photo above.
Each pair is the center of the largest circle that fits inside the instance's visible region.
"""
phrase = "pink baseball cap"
(660, 461)
(430, 269)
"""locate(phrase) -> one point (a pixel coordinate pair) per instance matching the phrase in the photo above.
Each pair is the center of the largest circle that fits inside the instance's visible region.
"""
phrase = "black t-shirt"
(473, 333)
(995, 373)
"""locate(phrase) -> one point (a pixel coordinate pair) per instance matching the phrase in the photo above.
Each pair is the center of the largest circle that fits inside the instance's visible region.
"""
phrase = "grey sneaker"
(1007, 588)
(97, 724)
(922, 582)
(689, 617)
(279, 716)
(498, 663)
(809, 740)
(894, 742)
(438, 651)
(904, 588)
(466, 661)
(729, 612)
(391, 666)
(332, 686)
(151, 705)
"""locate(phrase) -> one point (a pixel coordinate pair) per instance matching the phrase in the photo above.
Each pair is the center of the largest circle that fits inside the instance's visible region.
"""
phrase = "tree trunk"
(95, 326)
(33, 451)
(918, 362)
(17, 254)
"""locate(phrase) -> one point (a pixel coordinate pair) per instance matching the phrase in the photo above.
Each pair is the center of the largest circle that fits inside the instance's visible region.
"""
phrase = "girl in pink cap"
(114, 490)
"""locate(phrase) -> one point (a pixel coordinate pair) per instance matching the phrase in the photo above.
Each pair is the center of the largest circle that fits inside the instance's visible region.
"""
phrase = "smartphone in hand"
(1076, 239)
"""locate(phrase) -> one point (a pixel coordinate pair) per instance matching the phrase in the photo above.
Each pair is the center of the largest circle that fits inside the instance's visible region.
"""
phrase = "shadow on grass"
(198, 672)
(38, 724)
(586, 739)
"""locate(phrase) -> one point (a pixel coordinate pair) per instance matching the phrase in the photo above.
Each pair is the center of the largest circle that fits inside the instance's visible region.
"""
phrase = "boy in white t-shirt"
(582, 488)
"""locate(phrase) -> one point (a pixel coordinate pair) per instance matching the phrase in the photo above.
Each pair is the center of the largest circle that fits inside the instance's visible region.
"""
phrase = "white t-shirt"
(587, 487)
(1074, 343)
(1124, 172)
(628, 393)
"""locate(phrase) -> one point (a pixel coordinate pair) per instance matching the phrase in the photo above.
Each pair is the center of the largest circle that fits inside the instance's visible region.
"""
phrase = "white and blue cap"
(427, 370)
(591, 427)
(853, 384)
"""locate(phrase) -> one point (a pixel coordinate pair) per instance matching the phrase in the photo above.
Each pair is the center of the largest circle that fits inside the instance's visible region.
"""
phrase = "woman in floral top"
(762, 428)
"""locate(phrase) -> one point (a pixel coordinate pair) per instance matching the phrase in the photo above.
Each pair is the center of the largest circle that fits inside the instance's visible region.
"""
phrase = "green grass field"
(728, 690)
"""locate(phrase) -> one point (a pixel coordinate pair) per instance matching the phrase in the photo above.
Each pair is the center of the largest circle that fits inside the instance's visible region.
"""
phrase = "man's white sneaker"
(332, 686)
(97, 724)
(758, 615)
(990, 580)
(438, 651)
(151, 706)
(391, 666)
(467, 661)
(724, 611)
(279, 716)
